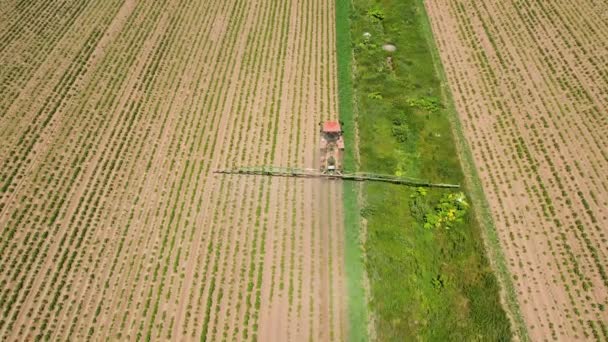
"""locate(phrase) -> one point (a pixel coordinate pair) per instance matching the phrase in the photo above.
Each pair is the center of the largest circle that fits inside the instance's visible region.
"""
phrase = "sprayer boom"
(312, 173)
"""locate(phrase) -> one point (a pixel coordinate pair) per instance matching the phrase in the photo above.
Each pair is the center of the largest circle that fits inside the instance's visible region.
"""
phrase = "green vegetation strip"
(354, 266)
(429, 276)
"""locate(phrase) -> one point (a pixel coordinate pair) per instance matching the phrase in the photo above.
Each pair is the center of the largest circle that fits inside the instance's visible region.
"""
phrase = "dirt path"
(529, 88)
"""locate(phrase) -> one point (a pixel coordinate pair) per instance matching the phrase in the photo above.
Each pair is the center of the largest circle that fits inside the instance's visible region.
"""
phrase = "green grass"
(354, 266)
(429, 284)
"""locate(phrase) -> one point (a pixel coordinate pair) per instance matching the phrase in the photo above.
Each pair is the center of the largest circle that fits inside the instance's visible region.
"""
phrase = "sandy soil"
(530, 87)
(113, 224)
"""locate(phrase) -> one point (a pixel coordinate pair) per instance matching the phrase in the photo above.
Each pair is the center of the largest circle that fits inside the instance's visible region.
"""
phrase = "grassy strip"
(357, 304)
(429, 284)
(473, 184)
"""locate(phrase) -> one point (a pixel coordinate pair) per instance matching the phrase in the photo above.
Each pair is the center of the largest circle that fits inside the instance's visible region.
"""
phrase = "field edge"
(353, 261)
(473, 185)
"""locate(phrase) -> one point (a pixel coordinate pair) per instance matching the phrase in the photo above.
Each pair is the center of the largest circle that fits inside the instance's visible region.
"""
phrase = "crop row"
(137, 239)
(541, 162)
(50, 177)
(81, 144)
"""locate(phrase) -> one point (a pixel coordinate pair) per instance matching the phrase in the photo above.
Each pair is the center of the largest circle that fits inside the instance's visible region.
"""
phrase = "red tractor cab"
(331, 147)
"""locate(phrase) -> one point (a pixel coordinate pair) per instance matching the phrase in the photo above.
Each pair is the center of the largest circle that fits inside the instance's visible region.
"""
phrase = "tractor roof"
(331, 127)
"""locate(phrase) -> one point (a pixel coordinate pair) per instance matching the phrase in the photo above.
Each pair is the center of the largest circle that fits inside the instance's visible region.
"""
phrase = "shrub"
(429, 104)
(400, 132)
(374, 96)
(451, 210)
(376, 13)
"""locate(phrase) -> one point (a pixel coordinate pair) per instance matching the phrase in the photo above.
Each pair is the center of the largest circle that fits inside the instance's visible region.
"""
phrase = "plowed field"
(529, 80)
(113, 115)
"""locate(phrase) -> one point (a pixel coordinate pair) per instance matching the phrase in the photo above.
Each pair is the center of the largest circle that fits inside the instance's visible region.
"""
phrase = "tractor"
(331, 147)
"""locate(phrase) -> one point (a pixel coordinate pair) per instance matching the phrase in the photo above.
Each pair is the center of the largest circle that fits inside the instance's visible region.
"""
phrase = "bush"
(400, 132)
(376, 13)
(374, 96)
(451, 210)
(429, 104)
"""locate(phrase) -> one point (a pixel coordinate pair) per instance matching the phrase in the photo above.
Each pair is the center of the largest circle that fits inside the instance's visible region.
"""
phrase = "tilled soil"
(114, 225)
(529, 82)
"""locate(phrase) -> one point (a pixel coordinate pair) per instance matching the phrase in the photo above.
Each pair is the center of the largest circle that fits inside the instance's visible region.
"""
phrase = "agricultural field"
(113, 116)
(529, 81)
